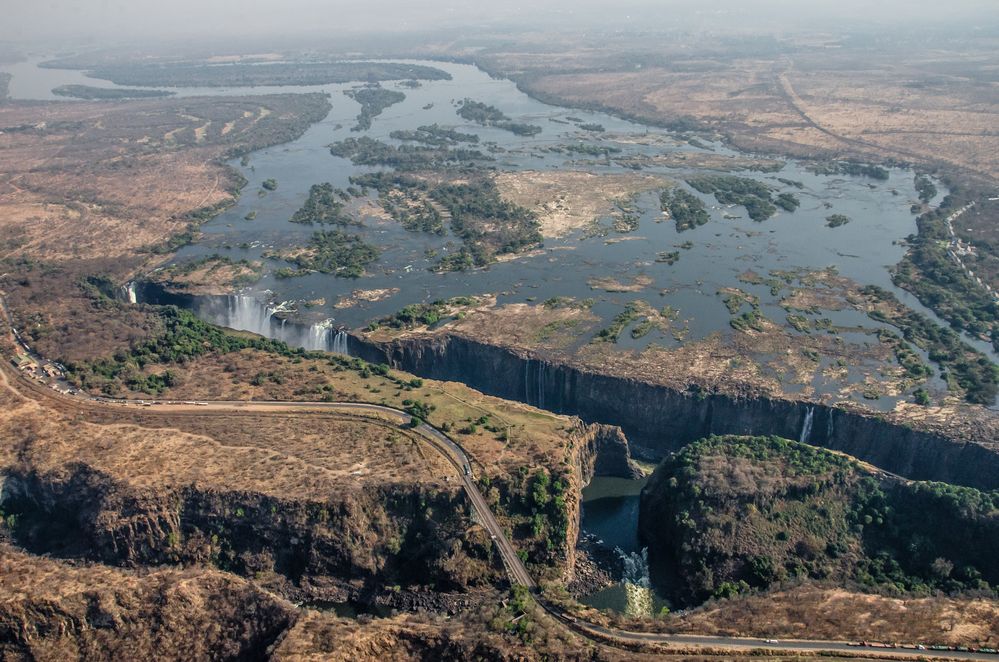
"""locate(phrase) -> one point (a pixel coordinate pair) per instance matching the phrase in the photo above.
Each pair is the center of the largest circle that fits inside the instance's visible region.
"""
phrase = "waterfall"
(636, 583)
(319, 336)
(130, 293)
(339, 345)
(541, 384)
(829, 428)
(527, 381)
(246, 313)
(806, 427)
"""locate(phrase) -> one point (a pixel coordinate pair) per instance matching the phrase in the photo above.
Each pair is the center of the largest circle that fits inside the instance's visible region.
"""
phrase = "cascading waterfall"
(636, 582)
(829, 427)
(806, 427)
(319, 335)
(130, 293)
(542, 365)
(527, 381)
(339, 345)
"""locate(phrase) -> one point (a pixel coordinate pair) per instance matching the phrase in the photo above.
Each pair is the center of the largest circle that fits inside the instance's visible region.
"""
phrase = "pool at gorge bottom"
(610, 519)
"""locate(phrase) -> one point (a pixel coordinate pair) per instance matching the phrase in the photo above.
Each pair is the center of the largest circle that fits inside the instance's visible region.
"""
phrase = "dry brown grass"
(821, 613)
(304, 456)
(567, 200)
(930, 106)
(91, 180)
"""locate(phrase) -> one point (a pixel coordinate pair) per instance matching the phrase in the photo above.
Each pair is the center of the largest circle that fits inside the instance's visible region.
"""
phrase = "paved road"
(518, 573)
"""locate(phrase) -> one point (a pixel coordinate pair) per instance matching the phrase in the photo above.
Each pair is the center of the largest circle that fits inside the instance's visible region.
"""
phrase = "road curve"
(515, 567)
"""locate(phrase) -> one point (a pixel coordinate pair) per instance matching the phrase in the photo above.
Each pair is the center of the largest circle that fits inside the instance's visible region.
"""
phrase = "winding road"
(461, 462)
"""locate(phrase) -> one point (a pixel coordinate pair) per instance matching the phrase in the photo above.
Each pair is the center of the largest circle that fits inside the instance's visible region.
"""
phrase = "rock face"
(362, 538)
(51, 611)
(658, 419)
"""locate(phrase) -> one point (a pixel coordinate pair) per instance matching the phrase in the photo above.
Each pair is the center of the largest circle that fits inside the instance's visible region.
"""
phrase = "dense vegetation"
(925, 188)
(434, 135)
(426, 314)
(371, 152)
(755, 196)
(731, 514)
(486, 223)
(486, 115)
(335, 253)
(253, 75)
(373, 101)
(962, 366)
(685, 208)
(184, 337)
(850, 168)
(324, 206)
(536, 504)
(91, 93)
(932, 275)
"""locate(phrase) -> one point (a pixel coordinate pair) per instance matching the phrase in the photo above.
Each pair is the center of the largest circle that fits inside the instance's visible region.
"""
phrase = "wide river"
(717, 252)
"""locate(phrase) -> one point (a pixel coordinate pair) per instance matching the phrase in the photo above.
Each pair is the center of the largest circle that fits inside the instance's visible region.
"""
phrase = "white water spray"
(636, 582)
(319, 335)
(130, 293)
(829, 427)
(806, 427)
(339, 345)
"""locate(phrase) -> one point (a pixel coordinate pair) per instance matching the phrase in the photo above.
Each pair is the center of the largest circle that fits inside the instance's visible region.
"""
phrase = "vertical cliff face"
(374, 536)
(658, 419)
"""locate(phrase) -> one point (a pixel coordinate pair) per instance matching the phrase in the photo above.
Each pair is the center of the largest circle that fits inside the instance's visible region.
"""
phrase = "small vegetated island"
(373, 101)
(370, 152)
(325, 206)
(330, 252)
(727, 515)
(487, 224)
(683, 207)
(252, 75)
(92, 93)
(758, 198)
(836, 220)
(850, 168)
(434, 135)
(486, 115)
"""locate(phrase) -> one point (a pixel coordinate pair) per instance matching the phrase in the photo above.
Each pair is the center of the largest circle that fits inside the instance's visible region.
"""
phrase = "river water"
(719, 251)
(727, 246)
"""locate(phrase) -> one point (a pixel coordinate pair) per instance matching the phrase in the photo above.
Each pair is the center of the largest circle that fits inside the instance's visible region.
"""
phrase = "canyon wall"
(656, 419)
(357, 540)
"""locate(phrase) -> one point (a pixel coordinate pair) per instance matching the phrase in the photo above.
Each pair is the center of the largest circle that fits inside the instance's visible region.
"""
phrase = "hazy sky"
(104, 19)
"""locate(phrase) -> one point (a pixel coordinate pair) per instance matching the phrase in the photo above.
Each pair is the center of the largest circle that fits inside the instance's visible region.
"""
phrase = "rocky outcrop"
(603, 451)
(52, 611)
(359, 539)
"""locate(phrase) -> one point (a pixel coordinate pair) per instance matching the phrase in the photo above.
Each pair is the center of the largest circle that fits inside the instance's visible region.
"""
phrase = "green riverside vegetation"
(932, 275)
(755, 196)
(962, 366)
(685, 208)
(373, 101)
(486, 115)
(92, 93)
(371, 152)
(335, 253)
(732, 514)
(325, 207)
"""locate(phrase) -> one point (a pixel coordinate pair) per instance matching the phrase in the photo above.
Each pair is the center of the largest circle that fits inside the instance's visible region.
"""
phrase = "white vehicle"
(771, 641)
